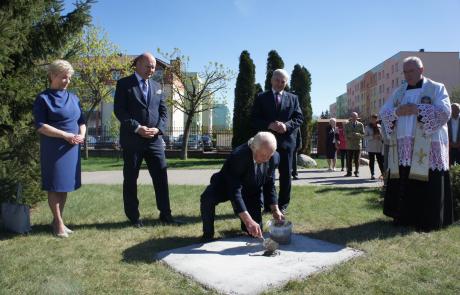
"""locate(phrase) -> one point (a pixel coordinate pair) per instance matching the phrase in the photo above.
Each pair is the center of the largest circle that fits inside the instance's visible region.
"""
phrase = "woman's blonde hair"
(60, 66)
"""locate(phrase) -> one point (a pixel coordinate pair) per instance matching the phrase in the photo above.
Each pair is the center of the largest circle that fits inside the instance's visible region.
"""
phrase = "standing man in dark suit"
(278, 111)
(453, 126)
(247, 173)
(140, 107)
(298, 147)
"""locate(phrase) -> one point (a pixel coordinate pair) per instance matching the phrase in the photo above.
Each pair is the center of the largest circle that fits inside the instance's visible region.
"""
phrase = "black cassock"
(426, 205)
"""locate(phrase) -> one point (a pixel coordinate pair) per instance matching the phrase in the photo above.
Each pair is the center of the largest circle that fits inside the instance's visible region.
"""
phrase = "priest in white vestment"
(415, 117)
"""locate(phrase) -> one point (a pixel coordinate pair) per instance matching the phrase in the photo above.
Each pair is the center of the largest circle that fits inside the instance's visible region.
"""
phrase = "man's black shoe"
(168, 219)
(295, 177)
(356, 173)
(206, 238)
(347, 175)
(137, 223)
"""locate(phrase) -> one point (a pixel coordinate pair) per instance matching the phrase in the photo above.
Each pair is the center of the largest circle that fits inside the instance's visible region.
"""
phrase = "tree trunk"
(188, 123)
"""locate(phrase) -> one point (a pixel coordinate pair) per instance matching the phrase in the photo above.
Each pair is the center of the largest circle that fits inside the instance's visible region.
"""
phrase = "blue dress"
(60, 160)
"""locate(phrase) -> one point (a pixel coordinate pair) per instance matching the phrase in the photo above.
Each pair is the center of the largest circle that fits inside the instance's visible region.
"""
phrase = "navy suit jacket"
(264, 112)
(132, 110)
(236, 181)
(449, 129)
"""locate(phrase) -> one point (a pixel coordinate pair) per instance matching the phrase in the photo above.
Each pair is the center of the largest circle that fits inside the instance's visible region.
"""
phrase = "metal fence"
(199, 138)
(207, 139)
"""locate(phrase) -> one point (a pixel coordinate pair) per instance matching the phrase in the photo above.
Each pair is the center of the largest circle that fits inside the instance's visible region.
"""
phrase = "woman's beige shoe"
(62, 236)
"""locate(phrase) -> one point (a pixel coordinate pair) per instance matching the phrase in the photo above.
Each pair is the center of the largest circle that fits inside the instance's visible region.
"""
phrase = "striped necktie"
(145, 89)
(277, 99)
(260, 175)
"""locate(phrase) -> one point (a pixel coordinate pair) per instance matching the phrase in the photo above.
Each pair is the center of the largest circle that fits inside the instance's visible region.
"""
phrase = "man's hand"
(278, 127)
(147, 132)
(281, 127)
(254, 229)
(273, 126)
(407, 110)
(252, 226)
(277, 214)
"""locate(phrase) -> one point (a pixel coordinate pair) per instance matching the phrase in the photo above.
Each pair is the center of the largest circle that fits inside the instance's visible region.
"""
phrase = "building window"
(388, 76)
(388, 89)
(397, 82)
(392, 83)
(396, 67)
(392, 69)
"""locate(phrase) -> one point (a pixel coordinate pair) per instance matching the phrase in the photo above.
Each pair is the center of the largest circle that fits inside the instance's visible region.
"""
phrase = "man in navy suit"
(140, 106)
(453, 128)
(247, 174)
(278, 111)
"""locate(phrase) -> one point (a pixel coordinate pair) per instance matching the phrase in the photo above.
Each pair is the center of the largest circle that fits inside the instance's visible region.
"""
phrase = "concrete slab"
(231, 266)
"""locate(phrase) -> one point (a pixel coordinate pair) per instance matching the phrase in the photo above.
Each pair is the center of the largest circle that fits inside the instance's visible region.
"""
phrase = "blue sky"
(335, 40)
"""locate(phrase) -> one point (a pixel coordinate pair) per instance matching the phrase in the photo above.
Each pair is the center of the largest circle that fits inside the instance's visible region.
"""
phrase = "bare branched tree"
(195, 92)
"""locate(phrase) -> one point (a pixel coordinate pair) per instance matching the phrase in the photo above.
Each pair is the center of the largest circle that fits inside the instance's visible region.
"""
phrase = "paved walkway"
(201, 177)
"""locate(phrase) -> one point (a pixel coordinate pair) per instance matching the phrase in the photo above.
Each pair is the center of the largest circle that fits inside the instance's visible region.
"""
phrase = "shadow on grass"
(145, 252)
(46, 228)
(377, 229)
(349, 190)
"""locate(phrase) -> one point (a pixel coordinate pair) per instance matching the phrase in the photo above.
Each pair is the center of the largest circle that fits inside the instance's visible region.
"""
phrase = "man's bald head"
(145, 65)
(354, 116)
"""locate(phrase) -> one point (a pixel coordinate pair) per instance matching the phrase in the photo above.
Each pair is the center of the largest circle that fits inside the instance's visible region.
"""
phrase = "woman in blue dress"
(60, 122)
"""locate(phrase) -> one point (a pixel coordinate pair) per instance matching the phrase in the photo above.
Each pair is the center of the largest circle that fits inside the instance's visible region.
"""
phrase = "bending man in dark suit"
(140, 107)
(278, 111)
(247, 173)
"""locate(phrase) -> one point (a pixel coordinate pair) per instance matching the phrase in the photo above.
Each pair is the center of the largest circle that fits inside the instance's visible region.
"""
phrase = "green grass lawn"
(105, 164)
(107, 256)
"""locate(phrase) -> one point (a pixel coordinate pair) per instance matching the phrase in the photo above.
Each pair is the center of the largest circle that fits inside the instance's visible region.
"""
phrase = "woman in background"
(332, 138)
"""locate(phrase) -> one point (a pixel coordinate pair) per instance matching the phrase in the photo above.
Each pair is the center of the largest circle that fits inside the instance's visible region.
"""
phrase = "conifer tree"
(245, 92)
(274, 61)
(32, 34)
(301, 86)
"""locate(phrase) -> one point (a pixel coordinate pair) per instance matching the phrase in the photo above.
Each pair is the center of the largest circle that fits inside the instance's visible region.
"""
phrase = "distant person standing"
(454, 135)
(342, 147)
(374, 139)
(298, 147)
(354, 133)
(332, 138)
(278, 111)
